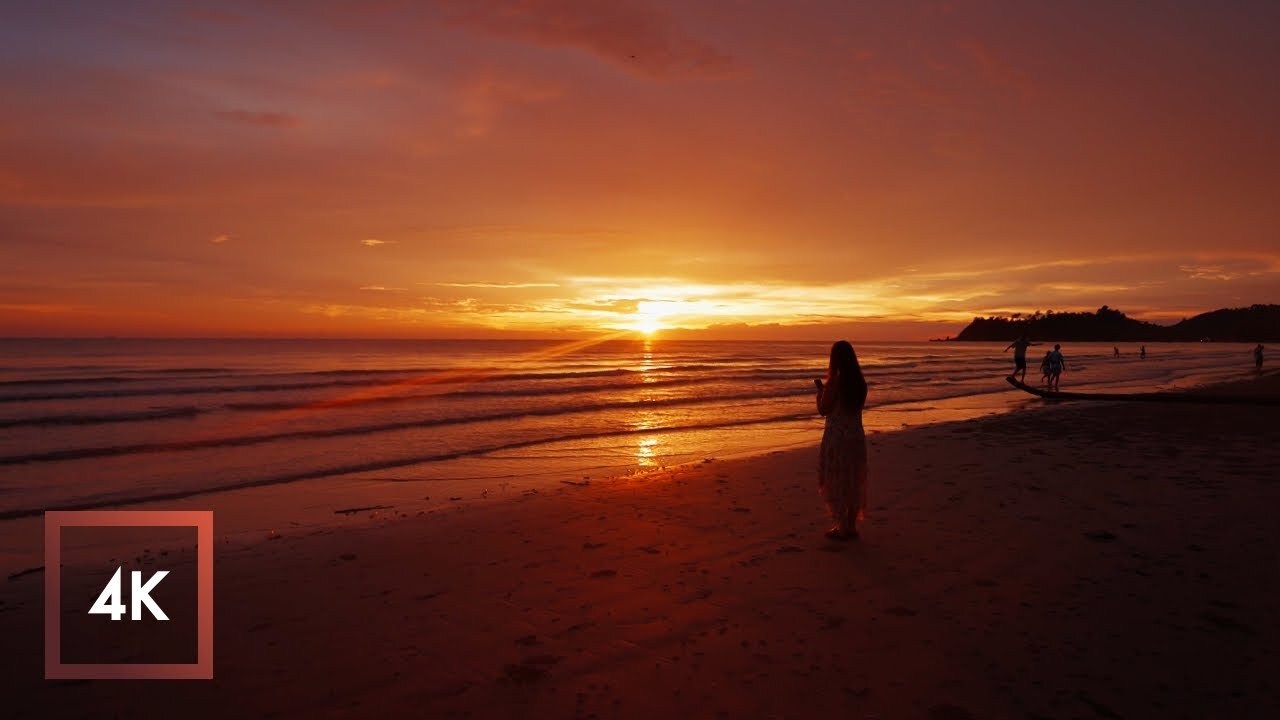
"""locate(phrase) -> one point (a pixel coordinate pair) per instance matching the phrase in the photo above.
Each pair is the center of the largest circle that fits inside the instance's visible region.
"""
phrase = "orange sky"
(479, 168)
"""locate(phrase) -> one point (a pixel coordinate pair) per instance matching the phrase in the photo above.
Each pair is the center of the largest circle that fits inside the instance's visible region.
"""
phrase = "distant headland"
(1256, 323)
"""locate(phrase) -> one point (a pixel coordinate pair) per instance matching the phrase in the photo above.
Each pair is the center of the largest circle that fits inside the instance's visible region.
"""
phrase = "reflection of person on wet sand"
(1056, 365)
(1020, 356)
(1257, 358)
(842, 459)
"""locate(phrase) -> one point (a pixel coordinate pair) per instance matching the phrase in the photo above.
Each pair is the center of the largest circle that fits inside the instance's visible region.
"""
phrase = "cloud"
(261, 119)
(381, 288)
(497, 285)
(1218, 271)
(483, 100)
(374, 242)
(219, 238)
(640, 39)
(465, 312)
(47, 308)
(625, 306)
(994, 69)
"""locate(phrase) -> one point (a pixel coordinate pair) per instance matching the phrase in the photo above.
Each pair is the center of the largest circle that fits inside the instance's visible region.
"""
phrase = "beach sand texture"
(1085, 560)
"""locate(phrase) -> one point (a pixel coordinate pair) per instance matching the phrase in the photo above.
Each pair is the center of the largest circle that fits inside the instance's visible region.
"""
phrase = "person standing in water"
(1142, 353)
(842, 458)
(1257, 358)
(1115, 351)
(1020, 356)
(1057, 364)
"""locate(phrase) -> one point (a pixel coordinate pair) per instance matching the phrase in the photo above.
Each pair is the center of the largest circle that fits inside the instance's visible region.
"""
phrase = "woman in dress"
(842, 461)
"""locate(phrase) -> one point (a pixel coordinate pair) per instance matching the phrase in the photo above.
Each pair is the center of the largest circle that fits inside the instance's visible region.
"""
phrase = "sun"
(650, 316)
(647, 324)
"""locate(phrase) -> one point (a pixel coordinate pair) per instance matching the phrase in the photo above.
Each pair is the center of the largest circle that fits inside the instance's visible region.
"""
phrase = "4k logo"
(108, 603)
(176, 643)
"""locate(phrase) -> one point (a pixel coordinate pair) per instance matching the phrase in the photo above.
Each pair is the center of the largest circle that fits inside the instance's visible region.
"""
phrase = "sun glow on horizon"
(647, 325)
(650, 315)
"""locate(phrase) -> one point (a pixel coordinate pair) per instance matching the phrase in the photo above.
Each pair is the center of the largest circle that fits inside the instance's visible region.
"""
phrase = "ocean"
(104, 422)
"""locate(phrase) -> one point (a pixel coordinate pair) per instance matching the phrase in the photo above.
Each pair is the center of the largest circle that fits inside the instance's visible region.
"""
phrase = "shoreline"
(1089, 560)
(41, 478)
(260, 511)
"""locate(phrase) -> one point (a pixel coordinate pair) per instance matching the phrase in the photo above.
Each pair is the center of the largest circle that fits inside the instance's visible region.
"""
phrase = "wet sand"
(1082, 561)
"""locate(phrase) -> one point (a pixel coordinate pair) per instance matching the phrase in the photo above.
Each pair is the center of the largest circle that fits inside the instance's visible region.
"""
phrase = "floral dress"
(842, 460)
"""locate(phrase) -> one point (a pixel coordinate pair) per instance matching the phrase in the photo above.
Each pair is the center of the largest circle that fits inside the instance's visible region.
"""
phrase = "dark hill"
(1257, 323)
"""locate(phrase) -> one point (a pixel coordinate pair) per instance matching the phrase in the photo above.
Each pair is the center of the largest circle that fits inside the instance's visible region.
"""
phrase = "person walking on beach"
(1020, 356)
(1257, 358)
(842, 458)
(1142, 353)
(1056, 365)
(1115, 351)
(1044, 368)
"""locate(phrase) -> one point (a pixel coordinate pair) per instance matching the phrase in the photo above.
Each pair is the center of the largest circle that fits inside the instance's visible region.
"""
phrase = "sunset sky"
(491, 168)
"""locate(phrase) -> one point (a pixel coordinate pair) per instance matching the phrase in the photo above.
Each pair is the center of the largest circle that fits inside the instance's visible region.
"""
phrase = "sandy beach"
(1076, 561)
(459, 360)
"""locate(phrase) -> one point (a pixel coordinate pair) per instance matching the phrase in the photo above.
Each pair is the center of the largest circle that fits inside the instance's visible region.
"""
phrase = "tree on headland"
(1257, 323)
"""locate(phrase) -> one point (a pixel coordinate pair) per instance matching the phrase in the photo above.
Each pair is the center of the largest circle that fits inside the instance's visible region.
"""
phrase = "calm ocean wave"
(91, 423)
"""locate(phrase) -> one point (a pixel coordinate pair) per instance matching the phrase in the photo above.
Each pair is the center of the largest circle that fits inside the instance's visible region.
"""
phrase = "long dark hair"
(844, 365)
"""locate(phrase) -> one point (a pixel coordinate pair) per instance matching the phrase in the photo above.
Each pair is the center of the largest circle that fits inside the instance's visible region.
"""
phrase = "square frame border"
(54, 521)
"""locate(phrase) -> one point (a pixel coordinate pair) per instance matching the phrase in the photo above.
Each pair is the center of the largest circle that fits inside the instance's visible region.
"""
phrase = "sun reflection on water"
(647, 445)
(647, 363)
(646, 451)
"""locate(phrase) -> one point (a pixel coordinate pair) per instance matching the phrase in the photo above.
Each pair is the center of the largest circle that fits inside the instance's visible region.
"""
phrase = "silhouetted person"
(1115, 351)
(1057, 364)
(1020, 356)
(1142, 353)
(1044, 368)
(842, 459)
(1257, 358)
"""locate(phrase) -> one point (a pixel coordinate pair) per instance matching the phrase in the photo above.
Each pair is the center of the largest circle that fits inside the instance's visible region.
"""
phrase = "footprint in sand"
(1224, 623)
(702, 594)
(947, 711)
(522, 674)
(857, 692)
(531, 669)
